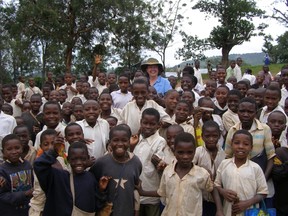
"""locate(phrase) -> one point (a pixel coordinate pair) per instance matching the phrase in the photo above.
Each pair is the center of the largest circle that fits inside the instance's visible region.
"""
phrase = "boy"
(140, 93)
(77, 113)
(221, 75)
(17, 190)
(210, 89)
(150, 142)
(8, 123)
(32, 89)
(277, 123)
(20, 87)
(259, 97)
(182, 112)
(69, 86)
(173, 81)
(182, 182)
(94, 128)
(8, 98)
(221, 100)
(272, 97)
(234, 175)
(111, 79)
(243, 87)
(7, 109)
(99, 81)
(230, 117)
(58, 184)
(123, 96)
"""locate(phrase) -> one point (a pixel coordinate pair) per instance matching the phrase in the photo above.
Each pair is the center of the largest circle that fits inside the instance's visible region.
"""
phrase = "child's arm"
(146, 193)
(241, 206)
(217, 201)
(229, 195)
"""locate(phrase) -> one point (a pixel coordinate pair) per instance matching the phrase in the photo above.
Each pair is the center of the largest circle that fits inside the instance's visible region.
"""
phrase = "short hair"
(8, 138)
(211, 124)
(278, 111)
(245, 132)
(123, 75)
(176, 127)
(223, 86)
(189, 69)
(121, 127)
(113, 117)
(7, 86)
(170, 92)
(105, 93)
(203, 99)
(274, 88)
(184, 137)
(36, 95)
(20, 126)
(140, 81)
(52, 103)
(248, 100)
(244, 83)
(62, 90)
(47, 132)
(71, 125)
(193, 94)
(184, 102)
(77, 145)
(235, 92)
(153, 112)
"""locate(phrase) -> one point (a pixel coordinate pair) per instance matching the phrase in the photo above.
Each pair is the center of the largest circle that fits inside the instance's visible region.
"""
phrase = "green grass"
(274, 68)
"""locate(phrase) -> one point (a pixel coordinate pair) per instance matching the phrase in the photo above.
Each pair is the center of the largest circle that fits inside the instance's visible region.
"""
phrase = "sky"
(202, 27)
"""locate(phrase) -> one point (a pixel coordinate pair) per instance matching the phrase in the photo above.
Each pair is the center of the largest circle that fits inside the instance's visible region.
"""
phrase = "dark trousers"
(149, 210)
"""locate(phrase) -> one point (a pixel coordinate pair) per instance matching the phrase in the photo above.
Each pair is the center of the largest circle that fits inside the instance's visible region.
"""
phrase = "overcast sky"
(202, 28)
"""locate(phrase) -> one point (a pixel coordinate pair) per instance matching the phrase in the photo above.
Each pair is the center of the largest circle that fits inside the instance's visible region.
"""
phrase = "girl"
(105, 102)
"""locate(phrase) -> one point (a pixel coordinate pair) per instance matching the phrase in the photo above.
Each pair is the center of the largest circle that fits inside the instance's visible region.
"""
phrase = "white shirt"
(229, 119)
(238, 72)
(30, 91)
(284, 95)
(7, 125)
(198, 75)
(229, 85)
(150, 178)
(99, 133)
(16, 109)
(249, 77)
(264, 114)
(99, 86)
(70, 94)
(120, 99)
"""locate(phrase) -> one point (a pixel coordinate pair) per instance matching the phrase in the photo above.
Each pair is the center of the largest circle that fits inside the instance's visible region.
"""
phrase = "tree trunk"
(225, 56)
(68, 58)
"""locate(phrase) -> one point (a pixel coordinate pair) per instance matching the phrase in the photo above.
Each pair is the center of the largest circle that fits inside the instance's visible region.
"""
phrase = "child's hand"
(88, 141)
(155, 160)
(104, 180)
(134, 140)
(161, 166)
(240, 206)
(97, 59)
(139, 187)
(229, 195)
(2, 182)
(219, 213)
(58, 143)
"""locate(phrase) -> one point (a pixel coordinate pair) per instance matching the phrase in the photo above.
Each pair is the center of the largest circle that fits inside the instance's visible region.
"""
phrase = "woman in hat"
(154, 69)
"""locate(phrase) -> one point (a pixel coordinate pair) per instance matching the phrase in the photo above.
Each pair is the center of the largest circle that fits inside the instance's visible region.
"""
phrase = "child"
(259, 97)
(69, 86)
(233, 81)
(66, 113)
(230, 117)
(259, 83)
(221, 100)
(99, 81)
(210, 89)
(234, 175)
(111, 79)
(221, 75)
(243, 87)
(173, 81)
(94, 128)
(7, 109)
(112, 121)
(150, 142)
(123, 167)
(209, 157)
(171, 99)
(8, 98)
(77, 113)
(284, 79)
(92, 94)
(105, 102)
(155, 97)
(123, 96)
(17, 190)
(272, 97)
(29, 152)
(140, 93)
(26, 107)
(182, 182)
(32, 89)
(59, 184)
(251, 93)
(62, 96)
(182, 111)
(55, 96)
(277, 123)
(20, 87)
(189, 97)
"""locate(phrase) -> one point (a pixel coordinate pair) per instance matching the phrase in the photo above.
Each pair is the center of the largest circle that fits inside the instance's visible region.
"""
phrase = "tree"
(270, 49)
(281, 15)
(282, 48)
(235, 18)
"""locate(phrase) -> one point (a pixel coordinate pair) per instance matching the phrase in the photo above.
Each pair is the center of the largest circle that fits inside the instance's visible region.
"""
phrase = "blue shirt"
(162, 85)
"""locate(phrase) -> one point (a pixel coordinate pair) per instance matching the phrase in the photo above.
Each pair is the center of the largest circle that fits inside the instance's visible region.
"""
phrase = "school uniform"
(121, 99)
(229, 119)
(70, 94)
(30, 91)
(99, 86)
(264, 114)
(16, 109)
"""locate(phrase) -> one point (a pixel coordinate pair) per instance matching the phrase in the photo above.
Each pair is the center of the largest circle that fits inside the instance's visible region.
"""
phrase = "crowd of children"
(140, 144)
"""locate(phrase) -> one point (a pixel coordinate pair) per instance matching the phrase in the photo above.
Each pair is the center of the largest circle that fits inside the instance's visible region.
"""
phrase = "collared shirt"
(150, 178)
(16, 109)
(131, 114)
(262, 138)
(99, 86)
(183, 197)
(70, 94)
(251, 78)
(246, 180)
(7, 125)
(30, 91)
(229, 85)
(264, 114)
(120, 99)
(229, 119)
(284, 95)
(20, 88)
(99, 133)
(188, 127)
(238, 72)
(162, 85)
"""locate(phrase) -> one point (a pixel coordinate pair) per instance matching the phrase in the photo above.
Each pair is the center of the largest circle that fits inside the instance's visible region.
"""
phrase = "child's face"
(12, 150)
(173, 81)
(241, 146)
(246, 112)
(259, 98)
(46, 92)
(242, 88)
(213, 76)
(284, 76)
(68, 79)
(79, 87)
(51, 115)
(184, 153)
(47, 142)
(74, 133)
(78, 112)
(62, 96)
(93, 94)
(221, 95)
(123, 83)
(271, 99)
(78, 159)
(7, 94)
(170, 136)
(207, 114)
(211, 88)
(233, 102)
(67, 109)
(186, 83)
(188, 97)
(171, 100)
(102, 78)
(76, 100)
(105, 102)
(111, 78)
(31, 82)
(112, 122)
(181, 112)
(140, 93)
(210, 136)
(277, 123)
(152, 93)
(7, 109)
(23, 135)
(221, 75)
(26, 107)
(54, 96)
(91, 111)
(233, 81)
(119, 144)
(148, 125)
(260, 78)
(251, 93)
(85, 87)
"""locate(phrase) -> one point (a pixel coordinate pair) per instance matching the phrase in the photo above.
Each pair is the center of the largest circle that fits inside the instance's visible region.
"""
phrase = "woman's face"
(152, 70)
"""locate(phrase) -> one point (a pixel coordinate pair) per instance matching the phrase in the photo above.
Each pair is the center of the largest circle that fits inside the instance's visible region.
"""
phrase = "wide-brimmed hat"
(151, 61)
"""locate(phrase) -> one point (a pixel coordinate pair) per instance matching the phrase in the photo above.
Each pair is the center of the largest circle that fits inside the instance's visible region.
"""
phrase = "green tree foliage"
(235, 22)
(282, 48)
